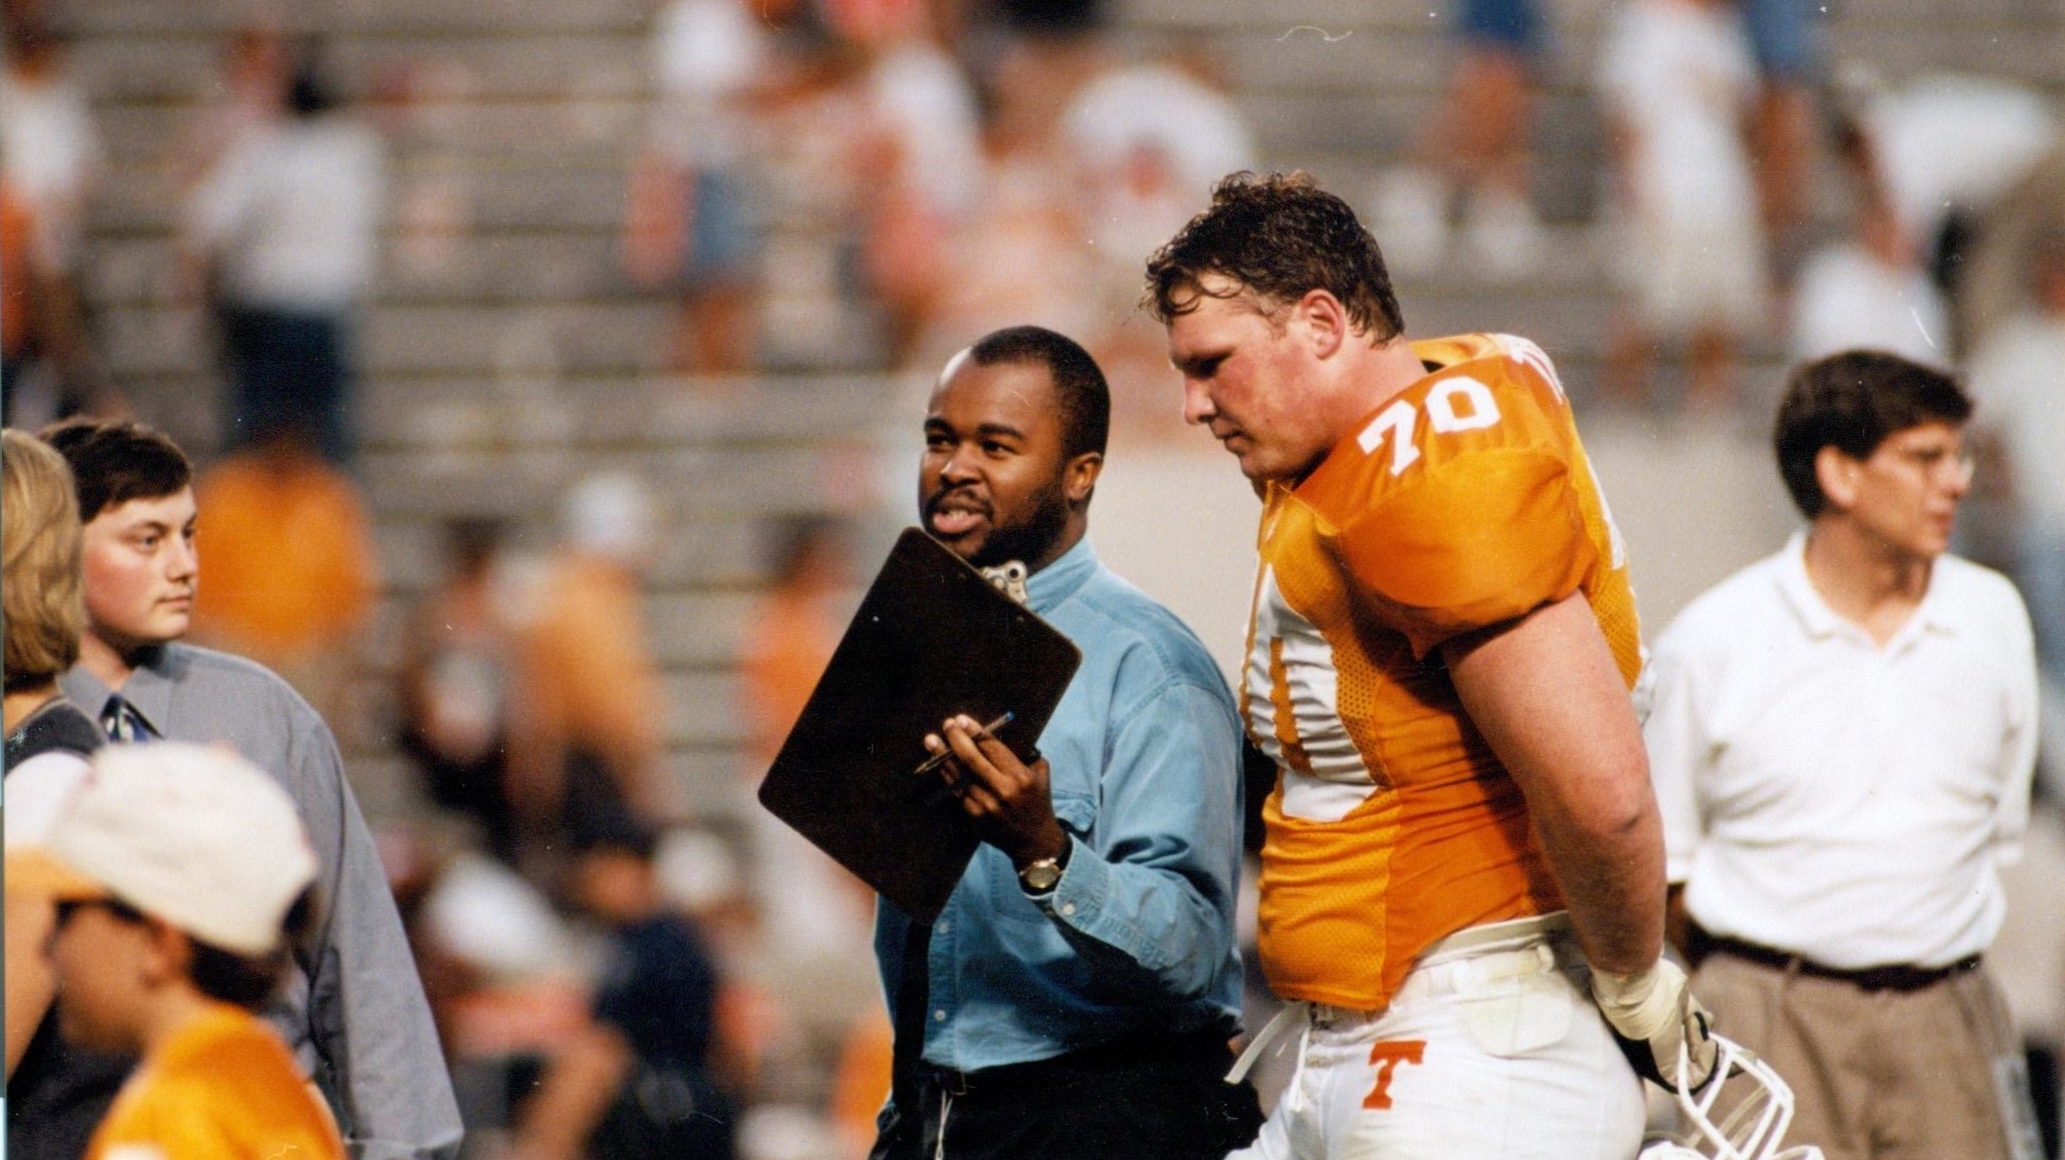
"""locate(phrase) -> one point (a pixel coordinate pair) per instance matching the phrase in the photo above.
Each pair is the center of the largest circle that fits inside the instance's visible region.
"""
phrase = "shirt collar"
(148, 689)
(1933, 614)
(1938, 612)
(1815, 615)
(1058, 581)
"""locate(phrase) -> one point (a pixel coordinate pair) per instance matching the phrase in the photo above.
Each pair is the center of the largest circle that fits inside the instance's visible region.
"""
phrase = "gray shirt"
(353, 1009)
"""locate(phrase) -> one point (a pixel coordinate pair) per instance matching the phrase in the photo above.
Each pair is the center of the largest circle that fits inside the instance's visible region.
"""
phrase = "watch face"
(1041, 875)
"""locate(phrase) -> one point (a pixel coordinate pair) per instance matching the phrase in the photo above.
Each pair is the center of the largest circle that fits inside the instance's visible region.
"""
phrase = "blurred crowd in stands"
(867, 185)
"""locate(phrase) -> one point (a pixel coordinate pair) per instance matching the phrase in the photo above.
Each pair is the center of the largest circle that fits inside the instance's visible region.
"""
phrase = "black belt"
(1891, 977)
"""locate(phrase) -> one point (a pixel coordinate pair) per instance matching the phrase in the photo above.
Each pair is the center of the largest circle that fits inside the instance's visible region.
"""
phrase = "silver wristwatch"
(1041, 875)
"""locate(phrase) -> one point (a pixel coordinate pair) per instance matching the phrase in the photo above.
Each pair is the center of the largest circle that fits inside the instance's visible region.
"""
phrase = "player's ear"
(1079, 476)
(1325, 320)
(1837, 474)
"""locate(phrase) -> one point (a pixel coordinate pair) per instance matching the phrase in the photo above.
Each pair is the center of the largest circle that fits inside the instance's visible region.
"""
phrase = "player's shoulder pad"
(1484, 397)
(1454, 505)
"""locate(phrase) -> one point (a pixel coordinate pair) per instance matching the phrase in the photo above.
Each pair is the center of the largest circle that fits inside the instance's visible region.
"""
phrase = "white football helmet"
(1754, 1129)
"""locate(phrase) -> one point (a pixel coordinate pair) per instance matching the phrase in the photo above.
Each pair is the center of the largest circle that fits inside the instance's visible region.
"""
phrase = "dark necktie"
(122, 723)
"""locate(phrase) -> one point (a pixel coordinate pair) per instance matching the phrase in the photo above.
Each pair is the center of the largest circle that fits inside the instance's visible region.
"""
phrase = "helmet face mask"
(1753, 1128)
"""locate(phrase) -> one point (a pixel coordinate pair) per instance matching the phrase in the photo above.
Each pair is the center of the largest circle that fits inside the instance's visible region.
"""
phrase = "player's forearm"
(1613, 882)
(1546, 695)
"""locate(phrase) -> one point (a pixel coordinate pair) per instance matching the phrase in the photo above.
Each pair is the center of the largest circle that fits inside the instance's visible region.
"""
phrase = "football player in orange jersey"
(1462, 880)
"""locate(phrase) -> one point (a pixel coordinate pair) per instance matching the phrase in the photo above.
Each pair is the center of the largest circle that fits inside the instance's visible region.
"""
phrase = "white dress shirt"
(294, 215)
(1832, 797)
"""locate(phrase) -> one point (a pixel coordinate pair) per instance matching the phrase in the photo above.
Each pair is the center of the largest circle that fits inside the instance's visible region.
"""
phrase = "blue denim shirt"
(1139, 933)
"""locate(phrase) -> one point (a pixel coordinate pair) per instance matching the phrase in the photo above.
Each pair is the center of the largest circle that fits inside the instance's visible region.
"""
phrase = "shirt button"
(943, 927)
(1068, 910)
(939, 1016)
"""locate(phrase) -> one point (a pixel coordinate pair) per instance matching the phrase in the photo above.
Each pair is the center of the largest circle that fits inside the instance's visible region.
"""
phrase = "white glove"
(1652, 1014)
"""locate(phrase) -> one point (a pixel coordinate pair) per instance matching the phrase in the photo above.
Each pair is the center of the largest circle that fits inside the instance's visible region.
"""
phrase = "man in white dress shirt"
(1842, 737)
(286, 232)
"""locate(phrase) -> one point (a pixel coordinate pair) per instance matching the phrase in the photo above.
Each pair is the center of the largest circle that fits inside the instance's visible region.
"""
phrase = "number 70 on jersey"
(1457, 404)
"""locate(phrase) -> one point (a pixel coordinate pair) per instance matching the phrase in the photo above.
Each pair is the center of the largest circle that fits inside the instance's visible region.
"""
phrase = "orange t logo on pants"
(1387, 1056)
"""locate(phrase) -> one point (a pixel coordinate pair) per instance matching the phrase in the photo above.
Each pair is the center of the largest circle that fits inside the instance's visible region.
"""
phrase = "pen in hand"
(938, 759)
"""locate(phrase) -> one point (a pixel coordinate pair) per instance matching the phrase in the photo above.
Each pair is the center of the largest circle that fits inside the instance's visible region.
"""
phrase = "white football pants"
(1492, 1050)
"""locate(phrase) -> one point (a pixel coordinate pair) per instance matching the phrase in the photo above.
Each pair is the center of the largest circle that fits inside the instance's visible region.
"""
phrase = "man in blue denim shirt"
(1078, 991)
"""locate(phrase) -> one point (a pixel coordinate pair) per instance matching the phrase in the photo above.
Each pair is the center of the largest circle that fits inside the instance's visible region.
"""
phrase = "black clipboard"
(931, 639)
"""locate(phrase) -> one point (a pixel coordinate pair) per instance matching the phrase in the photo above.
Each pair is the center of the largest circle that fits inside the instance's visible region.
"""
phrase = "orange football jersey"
(1464, 501)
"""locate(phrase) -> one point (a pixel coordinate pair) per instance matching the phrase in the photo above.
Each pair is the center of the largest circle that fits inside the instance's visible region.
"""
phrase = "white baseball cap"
(194, 835)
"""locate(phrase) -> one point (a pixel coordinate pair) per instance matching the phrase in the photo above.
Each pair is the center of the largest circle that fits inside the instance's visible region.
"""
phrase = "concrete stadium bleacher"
(506, 353)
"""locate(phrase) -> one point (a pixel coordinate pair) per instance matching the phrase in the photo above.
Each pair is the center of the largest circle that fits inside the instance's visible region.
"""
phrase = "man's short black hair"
(1854, 401)
(114, 462)
(1079, 387)
(1279, 237)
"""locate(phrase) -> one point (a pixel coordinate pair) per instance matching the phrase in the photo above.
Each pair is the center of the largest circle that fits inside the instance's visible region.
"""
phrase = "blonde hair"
(43, 602)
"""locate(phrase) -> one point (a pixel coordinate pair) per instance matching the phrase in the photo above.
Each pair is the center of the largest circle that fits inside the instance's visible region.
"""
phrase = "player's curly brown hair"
(1278, 236)
(44, 606)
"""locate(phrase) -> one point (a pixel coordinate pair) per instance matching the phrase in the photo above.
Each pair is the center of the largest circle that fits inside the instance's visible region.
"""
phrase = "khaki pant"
(1933, 1074)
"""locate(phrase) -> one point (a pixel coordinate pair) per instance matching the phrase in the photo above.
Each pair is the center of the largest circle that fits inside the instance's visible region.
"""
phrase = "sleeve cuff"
(1073, 899)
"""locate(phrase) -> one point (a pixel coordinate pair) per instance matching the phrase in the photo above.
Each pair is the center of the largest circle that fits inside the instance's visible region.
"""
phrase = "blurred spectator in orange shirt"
(42, 338)
(585, 712)
(17, 237)
(794, 632)
(291, 564)
(813, 911)
(815, 917)
(453, 685)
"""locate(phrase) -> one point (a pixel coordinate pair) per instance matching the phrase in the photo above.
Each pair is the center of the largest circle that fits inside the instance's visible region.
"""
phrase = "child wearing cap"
(181, 874)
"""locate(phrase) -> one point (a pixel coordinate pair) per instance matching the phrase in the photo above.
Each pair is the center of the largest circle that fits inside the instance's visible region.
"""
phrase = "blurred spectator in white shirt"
(692, 228)
(1948, 147)
(248, 99)
(286, 232)
(1678, 82)
(923, 156)
(1152, 138)
(1147, 141)
(49, 149)
(2018, 376)
(1477, 150)
(1870, 289)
